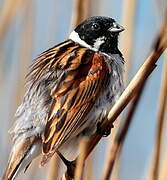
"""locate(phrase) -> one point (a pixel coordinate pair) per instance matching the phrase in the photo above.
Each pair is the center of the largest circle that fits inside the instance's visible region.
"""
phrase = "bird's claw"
(105, 132)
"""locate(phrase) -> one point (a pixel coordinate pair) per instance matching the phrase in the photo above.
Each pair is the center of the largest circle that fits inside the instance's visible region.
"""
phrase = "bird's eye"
(114, 25)
(95, 26)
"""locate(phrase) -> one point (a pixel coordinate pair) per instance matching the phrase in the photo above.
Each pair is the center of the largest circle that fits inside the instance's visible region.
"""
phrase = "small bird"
(70, 89)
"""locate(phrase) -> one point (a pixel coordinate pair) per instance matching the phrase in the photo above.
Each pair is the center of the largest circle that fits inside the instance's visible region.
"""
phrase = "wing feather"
(80, 80)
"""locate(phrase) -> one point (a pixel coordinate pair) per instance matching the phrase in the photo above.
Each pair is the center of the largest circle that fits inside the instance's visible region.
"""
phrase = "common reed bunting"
(70, 89)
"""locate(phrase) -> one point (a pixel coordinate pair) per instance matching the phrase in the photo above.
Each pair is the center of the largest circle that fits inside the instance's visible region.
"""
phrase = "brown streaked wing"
(49, 60)
(74, 97)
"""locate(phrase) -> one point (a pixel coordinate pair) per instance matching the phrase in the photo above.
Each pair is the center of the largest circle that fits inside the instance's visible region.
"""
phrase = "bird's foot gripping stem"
(104, 132)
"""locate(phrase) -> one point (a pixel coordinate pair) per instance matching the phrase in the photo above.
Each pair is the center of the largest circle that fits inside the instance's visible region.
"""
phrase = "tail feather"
(23, 152)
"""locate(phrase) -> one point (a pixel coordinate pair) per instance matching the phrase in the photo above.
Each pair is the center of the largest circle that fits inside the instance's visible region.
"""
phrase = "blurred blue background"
(42, 24)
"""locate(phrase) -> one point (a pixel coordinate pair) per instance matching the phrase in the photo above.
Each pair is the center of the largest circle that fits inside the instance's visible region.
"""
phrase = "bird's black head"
(98, 33)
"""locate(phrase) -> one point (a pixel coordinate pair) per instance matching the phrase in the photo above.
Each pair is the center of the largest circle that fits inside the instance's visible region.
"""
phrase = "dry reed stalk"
(160, 125)
(25, 49)
(81, 11)
(109, 146)
(81, 159)
(89, 168)
(133, 87)
(53, 171)
(163, 172)
(9, 11)
(126, 41)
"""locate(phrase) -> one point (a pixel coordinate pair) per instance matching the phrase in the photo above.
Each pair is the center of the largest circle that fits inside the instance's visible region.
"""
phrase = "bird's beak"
(116, 28)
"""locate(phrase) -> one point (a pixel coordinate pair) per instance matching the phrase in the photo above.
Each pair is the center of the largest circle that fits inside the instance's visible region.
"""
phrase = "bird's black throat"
(110, 46)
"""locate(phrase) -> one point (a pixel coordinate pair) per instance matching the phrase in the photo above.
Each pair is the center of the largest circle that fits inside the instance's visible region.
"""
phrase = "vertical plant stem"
(25, 51)
(9, 11)
(81, 11)
(126, 41)
(114, 175)
(53, 170)
(160, 125)
(81, 159)
(163, 173)
(89, 168)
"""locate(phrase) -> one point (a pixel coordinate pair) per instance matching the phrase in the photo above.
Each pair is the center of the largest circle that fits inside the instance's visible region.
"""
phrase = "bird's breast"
(113, 88)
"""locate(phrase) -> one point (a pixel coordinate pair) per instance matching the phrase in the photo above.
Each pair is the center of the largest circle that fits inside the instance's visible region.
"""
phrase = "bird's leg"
(69, 164)
(103, 132)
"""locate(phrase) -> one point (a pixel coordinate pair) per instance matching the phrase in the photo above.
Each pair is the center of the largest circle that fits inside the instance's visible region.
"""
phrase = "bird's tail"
(23, 152)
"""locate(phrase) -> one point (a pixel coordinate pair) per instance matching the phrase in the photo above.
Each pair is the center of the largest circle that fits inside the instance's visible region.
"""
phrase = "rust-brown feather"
(77, 75)
(73, 97)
